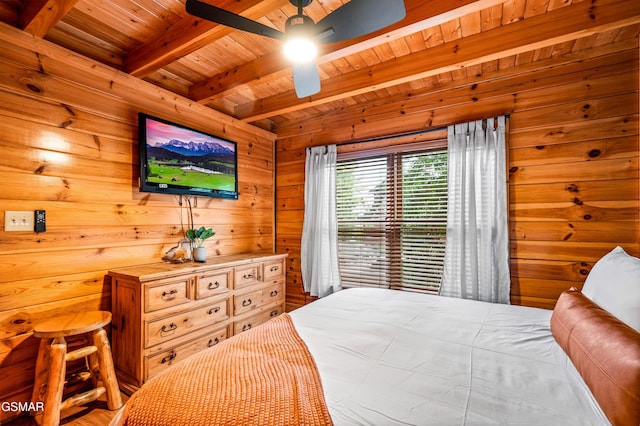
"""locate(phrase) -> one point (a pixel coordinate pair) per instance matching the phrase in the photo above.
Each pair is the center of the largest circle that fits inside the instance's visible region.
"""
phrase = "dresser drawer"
(246, 276)
(256, 320)
(246, 302)
(273, 269)
(273, 294)
(213, 283)
(171, 327)
(164, 294)
(156, 363)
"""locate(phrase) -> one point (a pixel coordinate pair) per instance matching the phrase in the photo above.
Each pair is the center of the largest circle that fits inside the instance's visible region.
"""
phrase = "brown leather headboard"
(605, 351)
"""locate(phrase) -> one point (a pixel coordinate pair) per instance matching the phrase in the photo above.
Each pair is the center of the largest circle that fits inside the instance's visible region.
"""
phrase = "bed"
(369, 356)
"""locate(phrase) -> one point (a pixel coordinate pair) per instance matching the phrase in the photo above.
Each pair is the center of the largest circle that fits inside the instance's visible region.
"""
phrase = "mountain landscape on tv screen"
(192, 164)
(192, 148)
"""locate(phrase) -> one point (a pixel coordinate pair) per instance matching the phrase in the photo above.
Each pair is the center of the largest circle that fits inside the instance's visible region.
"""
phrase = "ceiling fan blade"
(359, 17)
(228, 19)
(306, 79)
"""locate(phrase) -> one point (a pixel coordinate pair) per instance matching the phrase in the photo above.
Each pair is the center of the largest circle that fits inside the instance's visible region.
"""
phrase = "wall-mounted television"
(176, 159)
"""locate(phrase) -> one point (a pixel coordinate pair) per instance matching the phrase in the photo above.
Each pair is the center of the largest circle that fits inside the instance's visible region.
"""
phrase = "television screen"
(175, 159)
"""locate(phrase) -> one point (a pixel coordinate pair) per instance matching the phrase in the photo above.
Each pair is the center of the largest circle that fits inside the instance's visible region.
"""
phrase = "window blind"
(392, 217)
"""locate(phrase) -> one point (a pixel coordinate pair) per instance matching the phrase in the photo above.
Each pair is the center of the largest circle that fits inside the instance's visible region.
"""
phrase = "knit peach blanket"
(264, 376)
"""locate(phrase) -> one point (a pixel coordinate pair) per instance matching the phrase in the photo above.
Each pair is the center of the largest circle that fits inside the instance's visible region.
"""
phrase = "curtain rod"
(384, 138)
(400, 135)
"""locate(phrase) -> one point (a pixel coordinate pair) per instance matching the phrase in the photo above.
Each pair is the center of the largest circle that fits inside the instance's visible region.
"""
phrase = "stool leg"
(94, 369)
(107, 371)
(42, 373)
(55, 384)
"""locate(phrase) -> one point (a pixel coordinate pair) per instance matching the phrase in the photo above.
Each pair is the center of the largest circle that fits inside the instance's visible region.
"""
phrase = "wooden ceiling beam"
(190, 34)
(420, 15)
(37, 17)
(578, 20)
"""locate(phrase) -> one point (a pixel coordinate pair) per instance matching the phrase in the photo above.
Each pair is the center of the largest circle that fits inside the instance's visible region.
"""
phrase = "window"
(392, 217)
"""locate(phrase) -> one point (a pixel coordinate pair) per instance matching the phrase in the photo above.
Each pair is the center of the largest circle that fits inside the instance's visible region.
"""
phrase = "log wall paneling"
(69, 146)
(573, 161)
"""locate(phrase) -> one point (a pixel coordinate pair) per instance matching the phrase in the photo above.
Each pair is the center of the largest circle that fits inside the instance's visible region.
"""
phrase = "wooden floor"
(92, 414)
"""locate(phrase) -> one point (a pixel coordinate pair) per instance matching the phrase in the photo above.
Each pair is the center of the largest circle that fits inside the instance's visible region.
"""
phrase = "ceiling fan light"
(300, 49)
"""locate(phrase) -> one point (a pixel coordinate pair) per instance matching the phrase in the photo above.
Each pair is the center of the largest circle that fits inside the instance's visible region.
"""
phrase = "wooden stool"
(51, 364)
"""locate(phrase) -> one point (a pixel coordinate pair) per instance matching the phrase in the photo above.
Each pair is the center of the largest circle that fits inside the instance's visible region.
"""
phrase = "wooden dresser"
(162, 312)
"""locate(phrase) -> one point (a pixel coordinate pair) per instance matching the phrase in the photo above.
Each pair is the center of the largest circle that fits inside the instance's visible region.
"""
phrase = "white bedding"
(389, 357)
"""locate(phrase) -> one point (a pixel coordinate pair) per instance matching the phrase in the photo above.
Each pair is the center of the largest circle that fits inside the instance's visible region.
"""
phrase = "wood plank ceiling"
(245, 75)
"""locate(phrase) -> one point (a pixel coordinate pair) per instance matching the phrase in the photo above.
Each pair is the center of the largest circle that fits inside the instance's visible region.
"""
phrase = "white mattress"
(399, 358)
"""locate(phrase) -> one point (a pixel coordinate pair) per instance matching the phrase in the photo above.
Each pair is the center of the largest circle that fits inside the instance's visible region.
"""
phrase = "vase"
(200, 254)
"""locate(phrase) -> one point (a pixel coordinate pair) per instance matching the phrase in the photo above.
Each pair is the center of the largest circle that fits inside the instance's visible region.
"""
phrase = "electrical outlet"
(18, 221)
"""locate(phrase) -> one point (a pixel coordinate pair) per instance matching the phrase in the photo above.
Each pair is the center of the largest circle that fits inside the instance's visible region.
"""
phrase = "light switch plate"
(18, 221)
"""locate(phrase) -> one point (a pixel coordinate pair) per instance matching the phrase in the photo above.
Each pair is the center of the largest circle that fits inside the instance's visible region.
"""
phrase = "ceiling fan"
(353, 19)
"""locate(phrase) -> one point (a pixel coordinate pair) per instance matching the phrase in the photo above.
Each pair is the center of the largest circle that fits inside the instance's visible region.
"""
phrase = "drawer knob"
(274, 268)
(171, 327)
(213, 310)
(274, 313)
(274, 293)
(169, 357)
(213, 286)
(213, 342)
(246, 302)
(246, 327)
(170, 294)
(250, 276)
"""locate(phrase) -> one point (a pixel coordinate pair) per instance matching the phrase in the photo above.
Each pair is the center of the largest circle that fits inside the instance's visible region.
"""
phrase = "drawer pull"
(213, 342)
(169, 357)
(171, 327)
(274, 268)
(246, 302)
(169, 294)
(213, 286)
(246, 327)
(214, 310)
(250, 276)
(274, 293)
(274, 313)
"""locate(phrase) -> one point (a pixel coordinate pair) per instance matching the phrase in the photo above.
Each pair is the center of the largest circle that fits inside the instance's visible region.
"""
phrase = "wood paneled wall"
(573, 161)
(69, 146)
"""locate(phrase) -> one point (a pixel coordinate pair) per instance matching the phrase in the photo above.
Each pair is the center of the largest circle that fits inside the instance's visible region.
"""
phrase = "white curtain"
(476, 264)
(319, 253)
